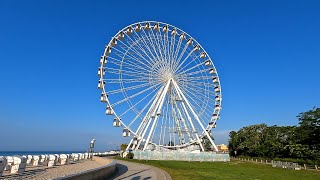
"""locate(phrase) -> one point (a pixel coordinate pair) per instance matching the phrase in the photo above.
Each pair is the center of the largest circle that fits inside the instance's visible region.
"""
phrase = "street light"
(93, 141)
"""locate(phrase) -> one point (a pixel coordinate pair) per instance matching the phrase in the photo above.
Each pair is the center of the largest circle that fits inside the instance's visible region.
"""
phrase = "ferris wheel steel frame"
(160, 53)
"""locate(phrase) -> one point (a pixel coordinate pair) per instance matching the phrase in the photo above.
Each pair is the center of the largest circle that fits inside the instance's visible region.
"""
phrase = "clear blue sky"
(267, 54)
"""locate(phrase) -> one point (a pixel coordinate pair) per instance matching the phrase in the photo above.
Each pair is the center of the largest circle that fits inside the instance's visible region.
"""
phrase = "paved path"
(134, 171)
(42, 172)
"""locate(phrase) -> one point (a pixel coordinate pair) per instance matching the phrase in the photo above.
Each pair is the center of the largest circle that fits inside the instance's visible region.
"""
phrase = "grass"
(227, 170)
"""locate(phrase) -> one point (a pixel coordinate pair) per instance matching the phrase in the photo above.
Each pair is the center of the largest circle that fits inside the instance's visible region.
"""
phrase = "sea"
(13, 153)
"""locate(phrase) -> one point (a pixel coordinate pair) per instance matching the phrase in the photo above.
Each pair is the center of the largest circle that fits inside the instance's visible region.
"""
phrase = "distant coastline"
(12, 153)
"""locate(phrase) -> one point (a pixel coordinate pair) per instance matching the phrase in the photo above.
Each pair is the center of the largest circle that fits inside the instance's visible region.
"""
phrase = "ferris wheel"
(161, 87)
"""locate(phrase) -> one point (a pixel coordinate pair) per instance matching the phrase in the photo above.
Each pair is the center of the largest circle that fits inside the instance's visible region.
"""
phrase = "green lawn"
(228, 170)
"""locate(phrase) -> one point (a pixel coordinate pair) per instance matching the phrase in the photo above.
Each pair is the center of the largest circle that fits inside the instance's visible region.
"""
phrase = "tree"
(123, 147)
(206, 143)
(308, 132)
(298, 142)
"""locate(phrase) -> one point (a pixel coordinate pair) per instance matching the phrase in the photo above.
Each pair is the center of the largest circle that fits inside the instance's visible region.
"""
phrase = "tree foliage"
(123, 147)
(300, 142)
(206, 143)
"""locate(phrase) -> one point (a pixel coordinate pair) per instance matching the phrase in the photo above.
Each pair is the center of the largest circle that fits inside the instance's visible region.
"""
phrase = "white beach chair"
(63, 159)
(23, 164)
(80, 156)
(35, 160)
(75, 157)
(3, 163)
(51, 160)
(15, 165)
(29, 158)
(56, 161)
(42, 159)
(9, 162)
(86, 155)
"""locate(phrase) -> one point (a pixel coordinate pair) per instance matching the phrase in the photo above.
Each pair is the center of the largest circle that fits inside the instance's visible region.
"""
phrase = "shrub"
(130, 155)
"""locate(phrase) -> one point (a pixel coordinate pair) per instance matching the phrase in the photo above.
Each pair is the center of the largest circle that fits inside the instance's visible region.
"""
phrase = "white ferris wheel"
(161, 87)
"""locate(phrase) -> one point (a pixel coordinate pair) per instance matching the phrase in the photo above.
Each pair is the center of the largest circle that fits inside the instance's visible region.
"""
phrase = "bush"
(130, 155)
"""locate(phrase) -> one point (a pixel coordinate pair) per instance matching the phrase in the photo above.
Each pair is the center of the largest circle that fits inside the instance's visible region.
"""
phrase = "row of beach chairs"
(18, 164)
(110, 153)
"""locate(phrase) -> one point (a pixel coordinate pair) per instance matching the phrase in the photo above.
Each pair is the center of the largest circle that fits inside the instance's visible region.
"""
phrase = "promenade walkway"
(135, 171)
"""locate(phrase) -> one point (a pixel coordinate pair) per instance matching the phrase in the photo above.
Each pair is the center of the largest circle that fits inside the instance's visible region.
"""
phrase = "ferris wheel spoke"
(141, 48)
(150, 43)
(190, 95)
(133, 106)
(195, 78)
(192, 59)
(198, 94)
(126, 72)
(143, 109)
(123, 54)
(157, 42)
(181, 55)
(154, 44)
(128, 88)
(112, 81)
(132, 47)
(201, 109)
(141, 39)
(134, 70)
(167, 44)
(131, 68)
(183, 61)
(146, 46)
(162, 42)
(196, 72)
(172, 43)
(126, 61)
(177, 48)
(134, 95)
(202, 91)
(196, 83)
(131, 55)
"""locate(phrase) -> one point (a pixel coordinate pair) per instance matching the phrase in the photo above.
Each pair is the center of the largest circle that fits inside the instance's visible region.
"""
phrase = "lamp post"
(93, 141)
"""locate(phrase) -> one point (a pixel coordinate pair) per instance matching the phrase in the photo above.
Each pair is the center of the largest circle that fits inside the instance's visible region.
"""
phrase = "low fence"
(180, 156)
(280, 164)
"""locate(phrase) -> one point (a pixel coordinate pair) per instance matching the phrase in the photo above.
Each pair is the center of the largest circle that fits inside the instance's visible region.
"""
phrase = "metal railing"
(280, 164)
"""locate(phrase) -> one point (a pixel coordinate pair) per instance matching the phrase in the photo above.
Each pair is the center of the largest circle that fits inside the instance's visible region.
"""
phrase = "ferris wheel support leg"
(157, 110)
(152, 111)
(195, 115)
(192, 125)
(144, 122)
(128, 147)
(189, 118)
(144, 133)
